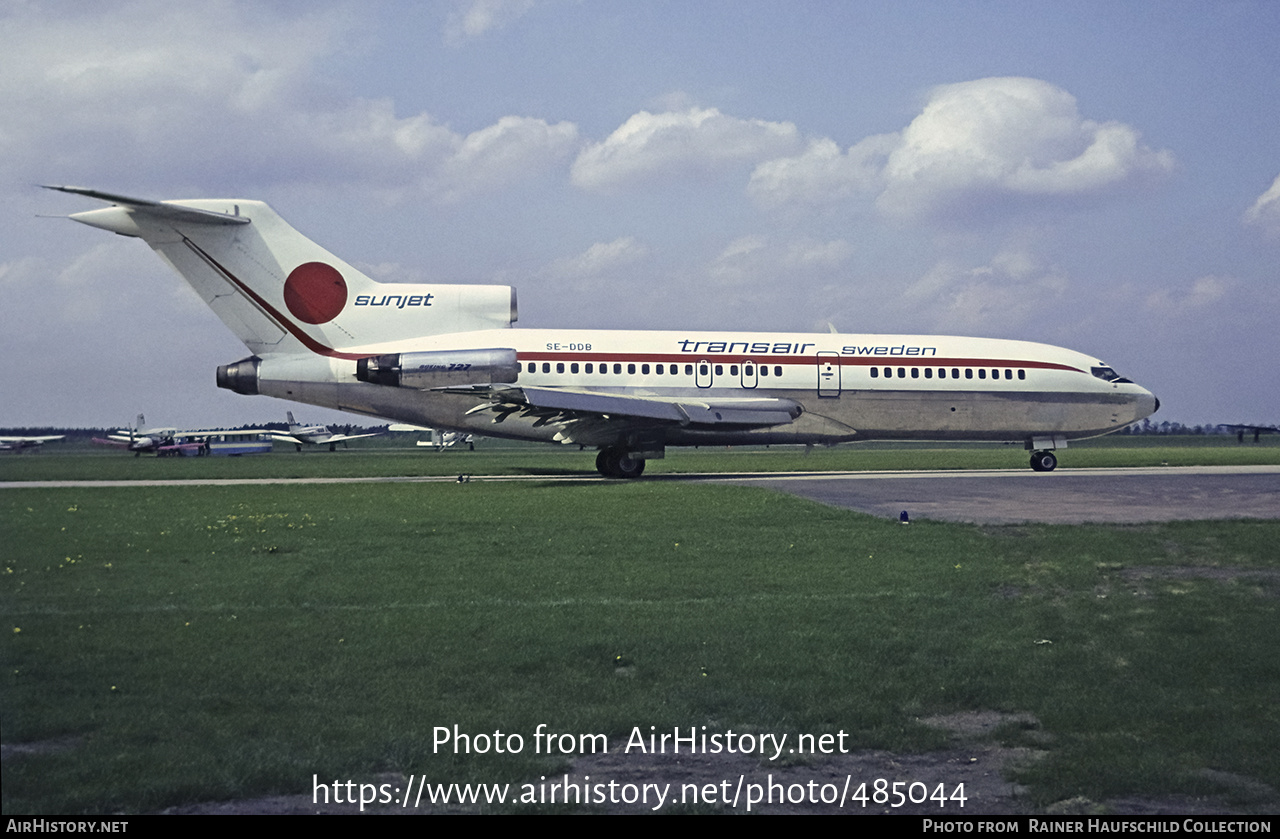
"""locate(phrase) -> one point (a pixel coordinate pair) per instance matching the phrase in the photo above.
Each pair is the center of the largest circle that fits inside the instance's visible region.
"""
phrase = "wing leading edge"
(595, 418)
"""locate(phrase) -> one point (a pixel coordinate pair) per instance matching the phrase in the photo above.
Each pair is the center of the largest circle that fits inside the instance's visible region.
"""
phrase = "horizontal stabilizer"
(160, 209)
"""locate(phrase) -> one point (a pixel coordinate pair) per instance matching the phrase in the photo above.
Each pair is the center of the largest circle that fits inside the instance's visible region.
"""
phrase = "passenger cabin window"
(546, 366)
(875, 372)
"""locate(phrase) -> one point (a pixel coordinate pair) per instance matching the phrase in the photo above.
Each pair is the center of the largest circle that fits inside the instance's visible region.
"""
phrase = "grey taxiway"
(1066, 496)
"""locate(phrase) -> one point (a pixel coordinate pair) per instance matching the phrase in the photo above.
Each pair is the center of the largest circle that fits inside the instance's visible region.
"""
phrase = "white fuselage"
(313, 434)
(851, 387)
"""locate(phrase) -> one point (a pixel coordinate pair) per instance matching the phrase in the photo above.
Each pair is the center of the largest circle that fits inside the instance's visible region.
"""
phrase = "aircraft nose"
(1147, 404)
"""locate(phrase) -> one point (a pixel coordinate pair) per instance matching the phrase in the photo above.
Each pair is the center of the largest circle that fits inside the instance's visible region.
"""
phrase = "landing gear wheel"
(618, 463)
(1044, 461)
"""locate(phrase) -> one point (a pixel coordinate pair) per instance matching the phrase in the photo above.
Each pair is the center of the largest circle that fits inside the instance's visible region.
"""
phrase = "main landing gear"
(1044, 461)
(619, 463)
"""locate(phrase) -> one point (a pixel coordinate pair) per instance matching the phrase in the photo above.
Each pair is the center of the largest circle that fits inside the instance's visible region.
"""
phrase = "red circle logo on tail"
(315, 292)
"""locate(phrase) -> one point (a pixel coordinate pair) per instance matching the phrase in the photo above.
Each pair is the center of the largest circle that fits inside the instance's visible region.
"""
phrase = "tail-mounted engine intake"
(446, 368)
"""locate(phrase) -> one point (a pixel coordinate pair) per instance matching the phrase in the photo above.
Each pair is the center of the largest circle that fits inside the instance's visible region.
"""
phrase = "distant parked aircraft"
(440, 438)
(170, 442)
(20, 444)
(1255, 430)
(314, 435)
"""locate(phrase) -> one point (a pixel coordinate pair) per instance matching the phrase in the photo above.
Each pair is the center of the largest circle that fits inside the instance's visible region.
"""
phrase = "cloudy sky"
(1100, 175)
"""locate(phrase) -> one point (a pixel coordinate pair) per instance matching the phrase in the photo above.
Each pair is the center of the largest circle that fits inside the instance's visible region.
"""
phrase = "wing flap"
(562, 405)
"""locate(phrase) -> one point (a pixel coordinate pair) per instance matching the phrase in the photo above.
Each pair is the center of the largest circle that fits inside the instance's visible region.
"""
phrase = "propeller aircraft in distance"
(27, 444)
(314, 435)
(170, 442)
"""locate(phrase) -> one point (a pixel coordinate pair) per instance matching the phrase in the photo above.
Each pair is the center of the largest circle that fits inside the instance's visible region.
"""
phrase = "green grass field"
(181, 644)
(498, 458)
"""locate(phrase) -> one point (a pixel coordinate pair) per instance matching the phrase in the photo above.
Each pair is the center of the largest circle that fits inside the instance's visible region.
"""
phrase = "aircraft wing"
(285, 438)
(110, 441)
(9, 444)
(594, 417)
(341, 438)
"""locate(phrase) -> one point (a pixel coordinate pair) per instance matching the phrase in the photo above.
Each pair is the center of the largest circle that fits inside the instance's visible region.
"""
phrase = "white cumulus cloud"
(600, 258)
(190, 93)
(473, 18)
(823, 173)
(972, 141)
(1011, 136)
(1205, 292)
(999, 296)
(1265, 212)
(679, 142)
(755, 260)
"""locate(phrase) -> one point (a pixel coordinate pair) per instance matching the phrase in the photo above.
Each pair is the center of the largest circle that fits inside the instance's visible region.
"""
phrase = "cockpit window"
(1109, 375)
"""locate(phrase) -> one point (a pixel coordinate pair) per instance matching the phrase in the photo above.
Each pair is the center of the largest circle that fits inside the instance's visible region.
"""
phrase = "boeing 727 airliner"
(445, 356)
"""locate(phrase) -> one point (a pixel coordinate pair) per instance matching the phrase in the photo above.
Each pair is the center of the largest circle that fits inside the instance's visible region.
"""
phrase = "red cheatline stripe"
(271, 312)
(843, 361)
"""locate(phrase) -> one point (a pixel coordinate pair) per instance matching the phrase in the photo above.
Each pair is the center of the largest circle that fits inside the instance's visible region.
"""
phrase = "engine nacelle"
(443, 368)
(242, 377)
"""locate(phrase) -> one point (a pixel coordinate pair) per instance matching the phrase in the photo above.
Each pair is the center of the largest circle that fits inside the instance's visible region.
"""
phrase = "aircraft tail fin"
(280, 292)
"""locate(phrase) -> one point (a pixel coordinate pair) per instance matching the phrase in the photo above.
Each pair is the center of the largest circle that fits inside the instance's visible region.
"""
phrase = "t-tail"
(280, 292)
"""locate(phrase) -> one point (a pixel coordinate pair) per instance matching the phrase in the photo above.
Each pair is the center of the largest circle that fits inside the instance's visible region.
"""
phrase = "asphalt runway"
(1065, 496)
